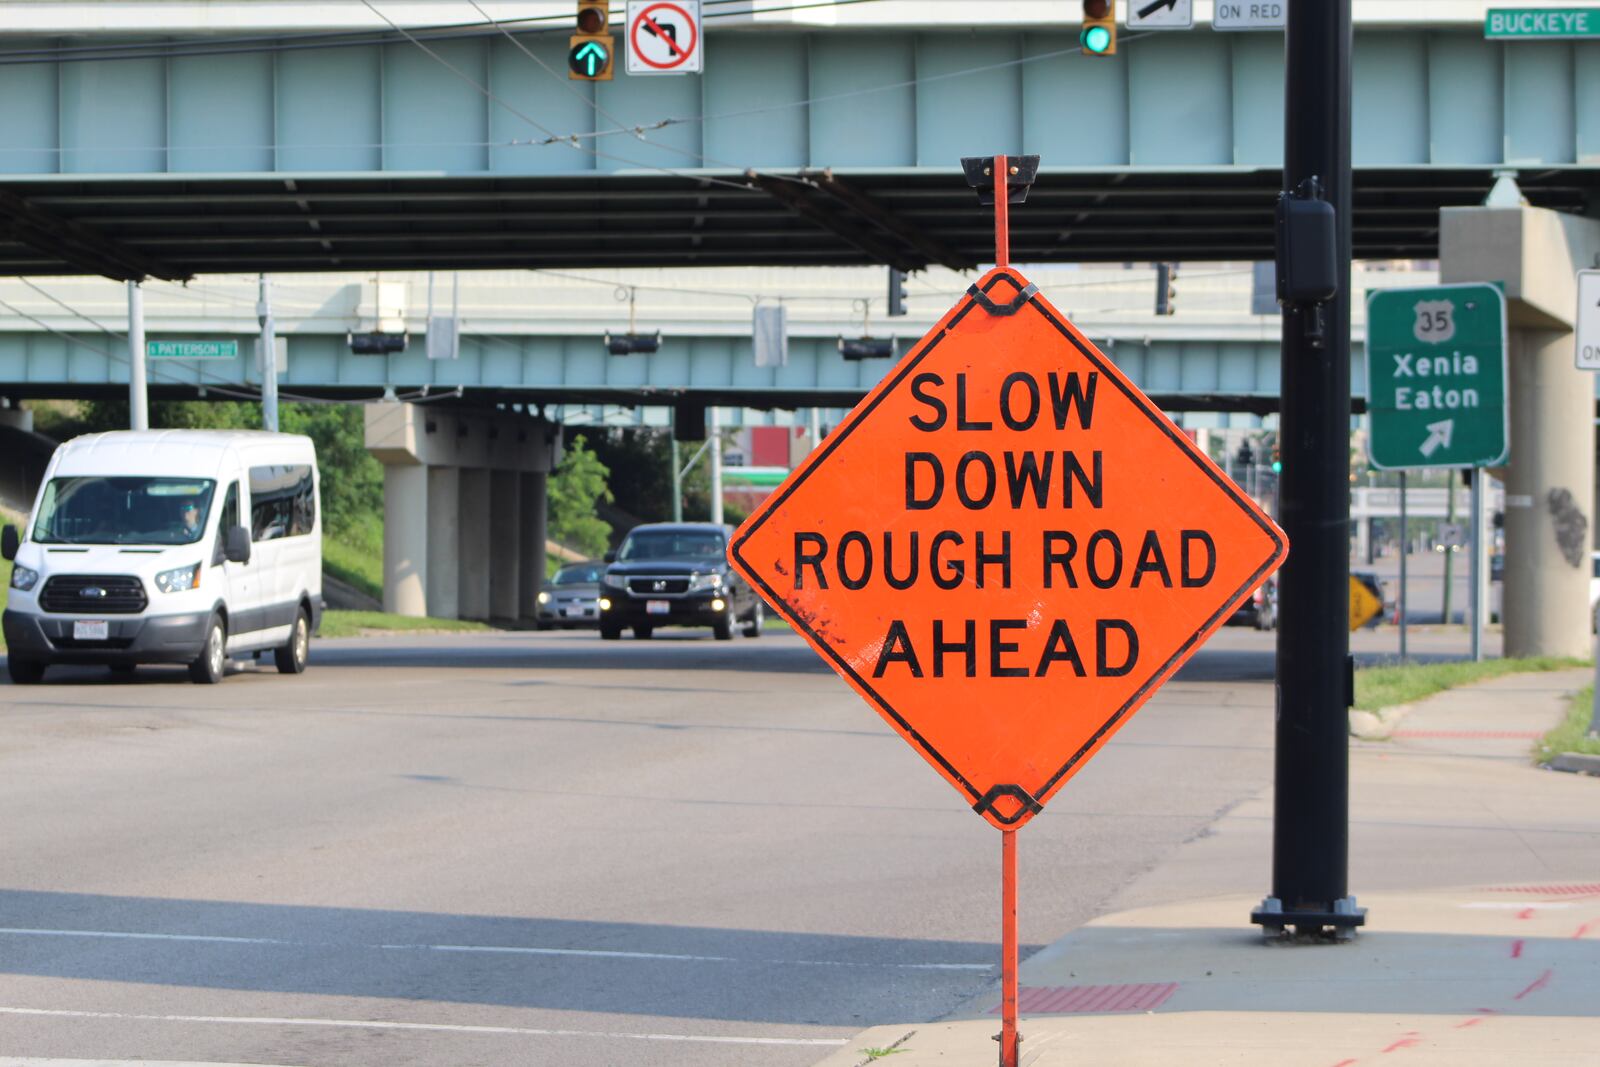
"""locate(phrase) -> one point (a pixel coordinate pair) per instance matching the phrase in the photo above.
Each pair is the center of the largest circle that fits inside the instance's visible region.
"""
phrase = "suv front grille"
(648, 586)
(74, 594)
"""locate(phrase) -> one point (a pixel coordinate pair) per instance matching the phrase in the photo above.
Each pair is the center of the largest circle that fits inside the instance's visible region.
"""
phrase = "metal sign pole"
(138, 394)
(1010, 1040)
(1405, 550)
(1477, 564)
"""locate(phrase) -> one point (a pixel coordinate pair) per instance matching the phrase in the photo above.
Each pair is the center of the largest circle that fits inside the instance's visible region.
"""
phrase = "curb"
(1575, 763)
(1377, 725)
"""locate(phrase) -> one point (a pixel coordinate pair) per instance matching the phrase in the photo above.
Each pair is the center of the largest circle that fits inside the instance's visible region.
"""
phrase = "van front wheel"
(24, 671)
(208, 667)
(292, 657)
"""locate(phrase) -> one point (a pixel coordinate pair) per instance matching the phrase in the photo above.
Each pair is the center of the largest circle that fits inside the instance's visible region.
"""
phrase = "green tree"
(578, 484)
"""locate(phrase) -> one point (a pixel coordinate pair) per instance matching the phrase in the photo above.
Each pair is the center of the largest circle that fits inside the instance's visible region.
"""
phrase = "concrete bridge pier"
(464, 509)
(1550, 479)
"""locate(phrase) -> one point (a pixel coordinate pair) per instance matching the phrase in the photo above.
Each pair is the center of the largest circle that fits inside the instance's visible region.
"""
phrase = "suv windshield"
(673, 544)
(579, 574)
(124, 511)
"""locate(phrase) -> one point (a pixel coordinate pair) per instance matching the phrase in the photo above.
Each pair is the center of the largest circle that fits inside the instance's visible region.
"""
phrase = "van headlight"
(699, 583)
(179, 579)
(23, 578)
(544, 597)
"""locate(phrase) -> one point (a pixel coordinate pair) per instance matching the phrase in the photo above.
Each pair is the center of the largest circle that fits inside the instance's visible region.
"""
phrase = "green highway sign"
(191, 349)
(1541, 23)
(1436, 376)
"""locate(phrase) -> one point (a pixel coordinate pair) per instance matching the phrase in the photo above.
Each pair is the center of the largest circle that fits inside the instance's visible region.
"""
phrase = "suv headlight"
(23, 578)
(699, 583)
(179, 578)
(544, 596)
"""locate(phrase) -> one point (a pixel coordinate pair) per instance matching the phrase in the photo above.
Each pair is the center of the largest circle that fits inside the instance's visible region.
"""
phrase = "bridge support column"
(463, 503)
(505, 542)
(1549, 512)
(475, 543)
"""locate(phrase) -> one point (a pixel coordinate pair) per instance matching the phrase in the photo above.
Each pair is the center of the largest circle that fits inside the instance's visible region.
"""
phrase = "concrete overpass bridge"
(290, 137)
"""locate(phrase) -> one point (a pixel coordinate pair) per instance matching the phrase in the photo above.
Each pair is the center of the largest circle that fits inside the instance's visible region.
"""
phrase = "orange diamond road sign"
(1005, 548)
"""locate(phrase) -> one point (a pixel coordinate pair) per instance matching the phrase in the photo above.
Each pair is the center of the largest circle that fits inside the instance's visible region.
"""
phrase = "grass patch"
(355, 555)
(1386, 687)
(1573, 733)
(353, 623)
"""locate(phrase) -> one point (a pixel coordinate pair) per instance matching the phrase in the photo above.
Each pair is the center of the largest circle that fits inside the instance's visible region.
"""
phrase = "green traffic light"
(1095, 39)
(588, 59)
(1277, 467)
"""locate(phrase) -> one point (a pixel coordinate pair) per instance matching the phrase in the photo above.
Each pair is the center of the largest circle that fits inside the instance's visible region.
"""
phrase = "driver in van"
(191, 518)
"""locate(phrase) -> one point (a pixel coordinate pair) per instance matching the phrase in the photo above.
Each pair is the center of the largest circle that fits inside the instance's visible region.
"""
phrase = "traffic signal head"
(897, 292)
(1099, 34)
(591, 50)
(594, 17)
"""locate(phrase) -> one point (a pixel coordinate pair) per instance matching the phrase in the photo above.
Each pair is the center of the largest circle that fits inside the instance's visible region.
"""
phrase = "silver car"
(572, 597)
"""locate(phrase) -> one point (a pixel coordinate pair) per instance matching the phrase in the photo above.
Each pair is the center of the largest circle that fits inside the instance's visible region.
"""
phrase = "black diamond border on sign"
(1142, 403)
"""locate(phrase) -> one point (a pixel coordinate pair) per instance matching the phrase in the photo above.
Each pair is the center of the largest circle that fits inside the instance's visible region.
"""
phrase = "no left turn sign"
(664, 37)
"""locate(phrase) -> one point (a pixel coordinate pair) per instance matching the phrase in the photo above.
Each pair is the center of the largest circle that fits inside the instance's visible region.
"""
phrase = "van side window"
(227, 521)
(283, 502)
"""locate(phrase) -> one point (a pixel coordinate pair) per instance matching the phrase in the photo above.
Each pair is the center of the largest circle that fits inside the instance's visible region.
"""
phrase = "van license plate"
(658, 607)
(90, 629)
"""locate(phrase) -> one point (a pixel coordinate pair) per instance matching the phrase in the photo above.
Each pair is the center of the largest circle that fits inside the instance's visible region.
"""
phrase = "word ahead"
(1006, 548)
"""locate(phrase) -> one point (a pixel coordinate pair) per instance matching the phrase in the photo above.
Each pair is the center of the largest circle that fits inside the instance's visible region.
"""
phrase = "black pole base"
(1311, 924)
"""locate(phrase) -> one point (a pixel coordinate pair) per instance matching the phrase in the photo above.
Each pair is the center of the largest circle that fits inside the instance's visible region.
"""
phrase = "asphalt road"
(532, 848)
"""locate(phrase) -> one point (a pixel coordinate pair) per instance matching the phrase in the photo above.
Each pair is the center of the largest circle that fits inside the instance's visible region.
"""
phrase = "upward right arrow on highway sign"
(1436, 376)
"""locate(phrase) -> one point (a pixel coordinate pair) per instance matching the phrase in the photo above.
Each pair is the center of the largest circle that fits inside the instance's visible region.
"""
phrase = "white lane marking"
(512, 950)
(34, 1061)
(375, 1024)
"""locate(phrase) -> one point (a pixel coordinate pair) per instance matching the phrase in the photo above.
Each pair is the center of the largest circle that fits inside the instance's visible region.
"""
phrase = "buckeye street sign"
(1540, 23)
(1436, 376)
(1005, 548)
(1250, 15)
(191, 349)
(1160, 14)
(664, 37)
(1588, 320)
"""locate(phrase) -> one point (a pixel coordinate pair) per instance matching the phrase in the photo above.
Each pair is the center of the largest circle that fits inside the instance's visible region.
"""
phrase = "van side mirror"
(9, 542)
(236, 545)
(611, 557)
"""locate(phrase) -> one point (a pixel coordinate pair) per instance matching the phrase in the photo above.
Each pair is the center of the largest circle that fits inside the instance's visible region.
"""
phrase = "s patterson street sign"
(1006, 548)
(191, 349)
(1436, 376)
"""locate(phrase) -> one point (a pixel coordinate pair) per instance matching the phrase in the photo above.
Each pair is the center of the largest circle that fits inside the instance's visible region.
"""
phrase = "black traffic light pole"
(1310, 838)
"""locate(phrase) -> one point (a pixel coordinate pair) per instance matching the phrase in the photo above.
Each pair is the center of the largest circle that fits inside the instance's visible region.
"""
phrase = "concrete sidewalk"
(1506, 971)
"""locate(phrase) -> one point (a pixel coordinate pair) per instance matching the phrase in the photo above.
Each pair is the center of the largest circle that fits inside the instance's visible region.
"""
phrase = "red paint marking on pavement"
(1411, 1040)
(1516, 948)
(1525, 913)
(1344, 1063)
(1560, 890)
(1086, 999)
(1584, 929)
(1469, 1022)
(1536, 985)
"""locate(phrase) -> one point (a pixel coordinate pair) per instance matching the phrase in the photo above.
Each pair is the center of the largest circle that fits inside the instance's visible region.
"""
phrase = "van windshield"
(123, 511)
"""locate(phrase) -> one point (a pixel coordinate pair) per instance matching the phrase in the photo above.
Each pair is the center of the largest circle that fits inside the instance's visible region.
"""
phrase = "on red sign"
(1006, 548)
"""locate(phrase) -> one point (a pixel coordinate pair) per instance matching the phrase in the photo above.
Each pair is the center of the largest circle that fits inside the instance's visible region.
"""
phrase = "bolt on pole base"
(1311, 925)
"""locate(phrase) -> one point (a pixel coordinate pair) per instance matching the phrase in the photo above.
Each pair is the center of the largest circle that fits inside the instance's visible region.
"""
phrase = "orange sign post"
(1005, 549)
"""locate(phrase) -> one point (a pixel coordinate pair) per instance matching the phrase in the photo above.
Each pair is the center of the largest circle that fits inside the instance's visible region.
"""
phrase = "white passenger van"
(168, 546)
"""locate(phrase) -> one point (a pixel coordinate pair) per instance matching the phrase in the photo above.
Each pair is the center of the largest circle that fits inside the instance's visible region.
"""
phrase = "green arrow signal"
(592, 56)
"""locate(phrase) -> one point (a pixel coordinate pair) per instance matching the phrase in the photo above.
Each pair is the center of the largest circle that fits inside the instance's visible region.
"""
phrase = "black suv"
(676, 574)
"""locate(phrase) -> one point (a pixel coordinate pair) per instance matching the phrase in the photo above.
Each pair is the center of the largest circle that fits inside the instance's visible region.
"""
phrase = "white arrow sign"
(1160, 15)
(1438, 437)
